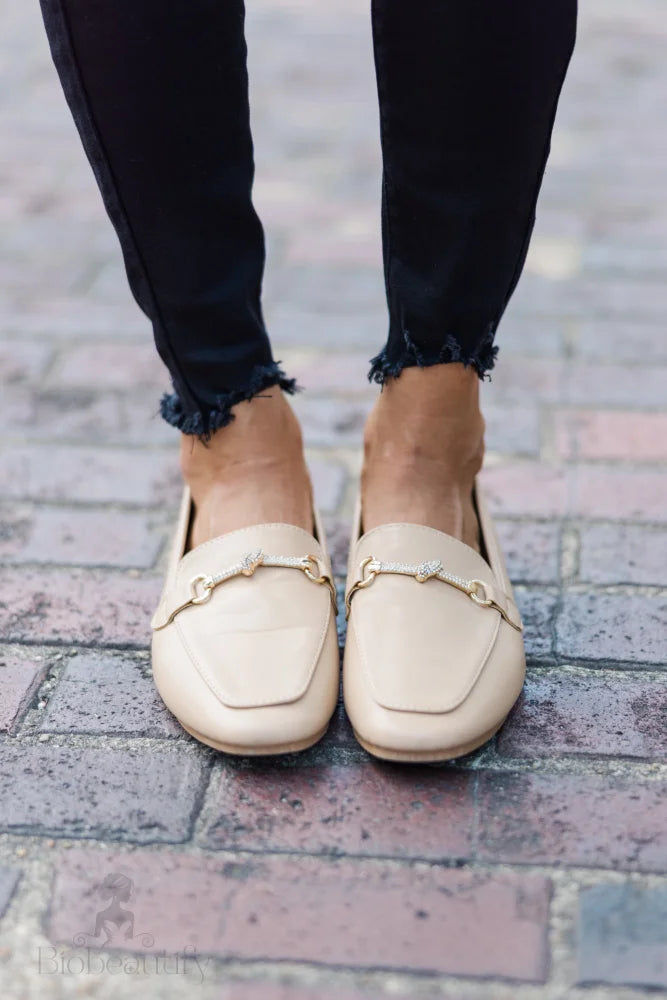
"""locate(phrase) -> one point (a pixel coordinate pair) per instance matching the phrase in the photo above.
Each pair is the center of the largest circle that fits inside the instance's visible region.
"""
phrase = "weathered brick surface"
(112, 694)
(531, 550)
(21, 672)
(622, 936)
(76, 605)
(538, 609)
(74, 535)
(623, 340)
(307, 909)
(620, 627)
(623, 553)
(365, 809)
(120, 794)
(525, 488)
(612, 434)
(110, 366)
(618, 494)
(573, 819)
(604, 385)
(512, 429)
(598, 716)
(89, 474)
(89, 484)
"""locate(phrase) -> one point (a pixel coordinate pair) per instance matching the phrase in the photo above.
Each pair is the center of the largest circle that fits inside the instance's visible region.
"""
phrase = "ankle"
(428, 417)
(264, 434)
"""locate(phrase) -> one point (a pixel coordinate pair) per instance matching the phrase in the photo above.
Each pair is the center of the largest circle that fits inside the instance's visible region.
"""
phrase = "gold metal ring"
(208, 585)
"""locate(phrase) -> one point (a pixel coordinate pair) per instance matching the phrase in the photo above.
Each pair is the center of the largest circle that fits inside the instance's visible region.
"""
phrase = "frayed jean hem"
(390, 364)
(203, 422)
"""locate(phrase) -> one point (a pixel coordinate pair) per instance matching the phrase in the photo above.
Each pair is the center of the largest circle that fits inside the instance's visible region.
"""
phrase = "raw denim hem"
(202, 423)
(384, 366)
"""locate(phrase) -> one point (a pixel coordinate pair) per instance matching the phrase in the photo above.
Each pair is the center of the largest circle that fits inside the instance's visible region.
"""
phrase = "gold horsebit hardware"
(477, 590)
(203, 585)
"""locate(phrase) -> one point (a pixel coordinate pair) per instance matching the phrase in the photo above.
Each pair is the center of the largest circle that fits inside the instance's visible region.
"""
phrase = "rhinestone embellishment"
(203, 585)
(477, 590)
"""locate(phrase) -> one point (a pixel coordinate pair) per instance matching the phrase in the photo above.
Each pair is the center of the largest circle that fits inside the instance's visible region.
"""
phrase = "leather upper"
(255, 645)
(426, 667)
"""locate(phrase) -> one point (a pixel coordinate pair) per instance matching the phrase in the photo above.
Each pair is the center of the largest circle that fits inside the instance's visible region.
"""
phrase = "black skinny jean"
(468, 92)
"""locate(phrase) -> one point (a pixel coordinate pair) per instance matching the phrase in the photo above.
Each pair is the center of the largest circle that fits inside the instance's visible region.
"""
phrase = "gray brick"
(112, 794)
(537, 609)
(614, 627)
(623, 553)
(622, 936)
(21, 671)
(111, 694)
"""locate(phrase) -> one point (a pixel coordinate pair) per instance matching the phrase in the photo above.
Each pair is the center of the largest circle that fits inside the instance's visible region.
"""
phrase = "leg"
(159, 95)
(468, 94)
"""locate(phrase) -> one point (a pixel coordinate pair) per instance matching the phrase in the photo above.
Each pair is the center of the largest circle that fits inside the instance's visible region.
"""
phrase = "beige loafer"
(434, 658)
(245, 651)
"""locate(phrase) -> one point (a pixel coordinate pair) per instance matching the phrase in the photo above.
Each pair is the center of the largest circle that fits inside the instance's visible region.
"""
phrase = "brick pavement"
(536, 869)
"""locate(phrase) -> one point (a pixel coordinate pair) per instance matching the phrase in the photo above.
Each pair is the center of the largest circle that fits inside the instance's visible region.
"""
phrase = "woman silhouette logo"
(115, 918)
(118, 888)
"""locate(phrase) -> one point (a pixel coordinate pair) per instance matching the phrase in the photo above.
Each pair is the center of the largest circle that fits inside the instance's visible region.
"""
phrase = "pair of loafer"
(245, 648)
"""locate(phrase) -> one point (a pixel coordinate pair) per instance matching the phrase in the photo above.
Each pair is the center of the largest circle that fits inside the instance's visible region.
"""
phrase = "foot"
(423, 447)
(252, 471)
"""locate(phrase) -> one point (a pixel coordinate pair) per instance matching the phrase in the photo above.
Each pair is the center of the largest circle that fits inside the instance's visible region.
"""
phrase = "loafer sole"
(426, 756)
(255, 751)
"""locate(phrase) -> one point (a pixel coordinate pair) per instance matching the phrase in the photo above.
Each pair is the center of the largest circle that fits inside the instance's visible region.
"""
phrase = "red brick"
(357, 809)
(623, 553)
(622, 936)
(113, 365)
(22, 669)
(611, 715)
(526, 488)
(573, 819)
(612, 434)
(76, 536)
(618, 494)
(77, 605)
(89, 474)
(334, 912)
(625, 628)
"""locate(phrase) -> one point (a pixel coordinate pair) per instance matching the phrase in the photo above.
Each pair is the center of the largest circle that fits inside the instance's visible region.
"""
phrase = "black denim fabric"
(468, 91)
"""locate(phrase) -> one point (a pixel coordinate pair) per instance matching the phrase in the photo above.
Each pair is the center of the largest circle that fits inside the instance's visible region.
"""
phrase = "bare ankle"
(264, 431)
(251, 471)
(423, 447)
(428, 414)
